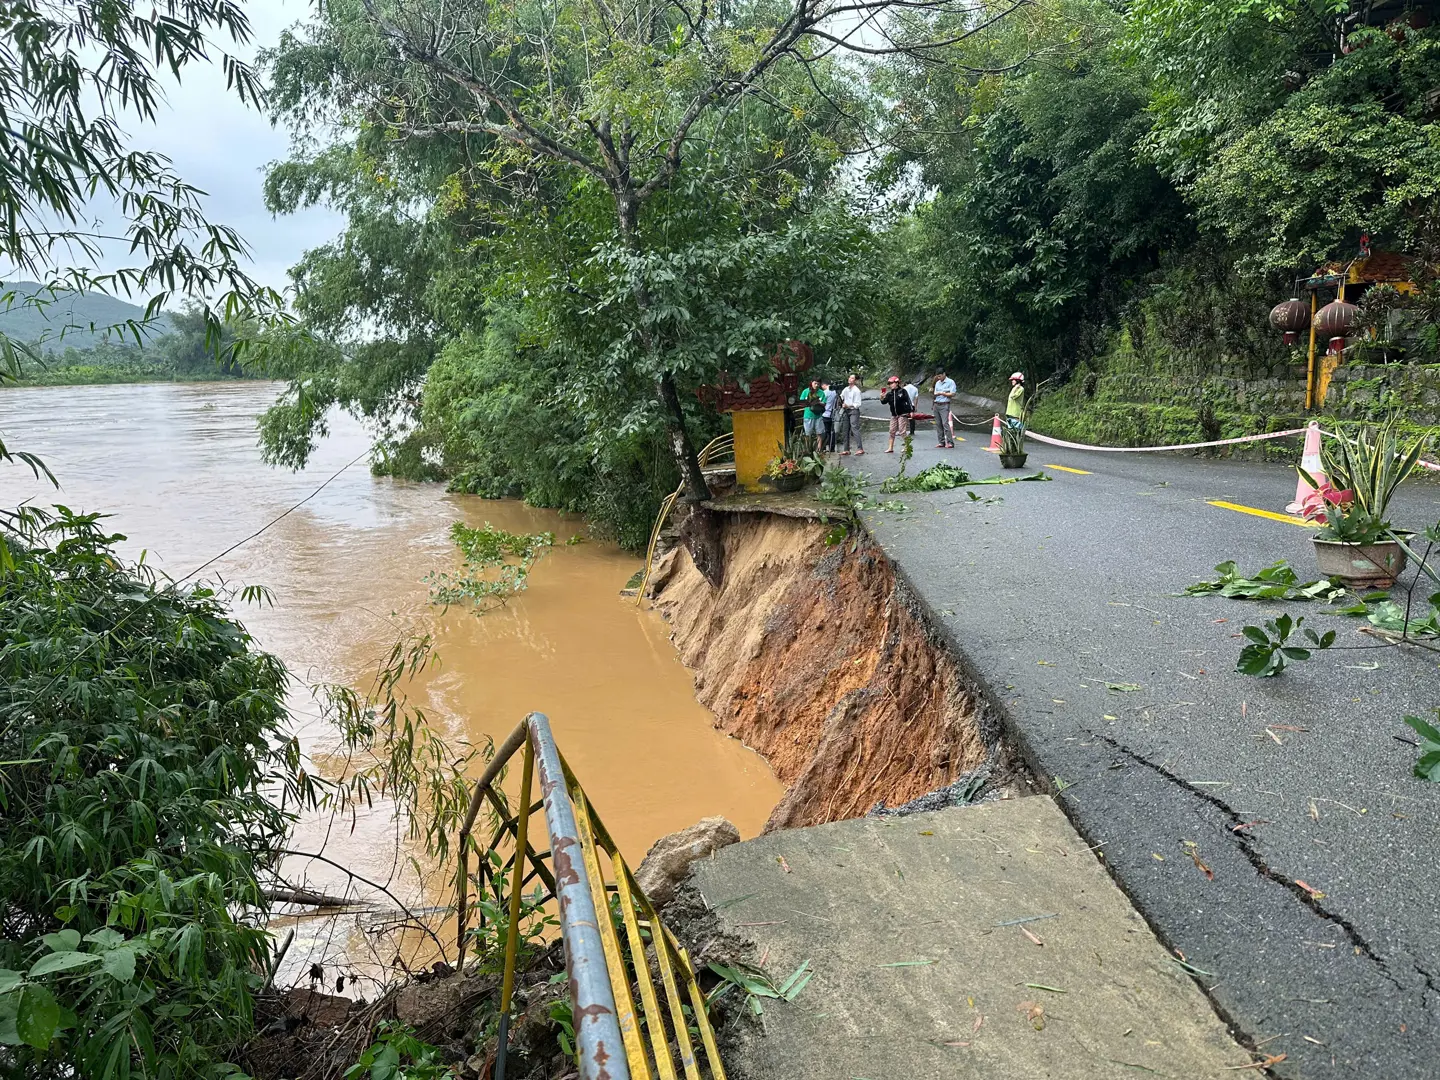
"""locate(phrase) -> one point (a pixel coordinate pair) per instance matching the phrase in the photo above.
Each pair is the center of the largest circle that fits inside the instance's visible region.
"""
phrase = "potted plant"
(1012, 444)
(794, 465)
(1356, 543)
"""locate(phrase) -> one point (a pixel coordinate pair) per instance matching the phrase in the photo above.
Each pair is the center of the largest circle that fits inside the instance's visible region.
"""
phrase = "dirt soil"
(814, 655)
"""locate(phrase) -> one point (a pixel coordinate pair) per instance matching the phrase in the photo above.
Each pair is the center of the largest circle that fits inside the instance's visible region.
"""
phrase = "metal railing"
(717, 449)
(615, 1039)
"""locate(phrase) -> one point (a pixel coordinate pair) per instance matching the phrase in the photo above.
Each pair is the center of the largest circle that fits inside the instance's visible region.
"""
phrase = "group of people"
(828, 414)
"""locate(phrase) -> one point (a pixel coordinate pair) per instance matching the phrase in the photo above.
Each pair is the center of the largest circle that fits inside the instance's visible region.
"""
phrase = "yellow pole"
(1310, 371)
(512, 932)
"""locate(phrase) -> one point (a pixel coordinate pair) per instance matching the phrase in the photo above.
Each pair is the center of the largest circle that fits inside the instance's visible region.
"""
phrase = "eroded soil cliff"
(811, 654)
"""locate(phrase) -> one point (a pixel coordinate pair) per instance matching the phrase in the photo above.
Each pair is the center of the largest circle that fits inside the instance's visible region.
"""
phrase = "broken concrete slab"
(983, 941)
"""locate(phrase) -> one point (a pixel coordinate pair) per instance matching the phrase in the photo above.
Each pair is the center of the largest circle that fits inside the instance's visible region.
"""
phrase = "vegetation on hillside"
(1057, 187)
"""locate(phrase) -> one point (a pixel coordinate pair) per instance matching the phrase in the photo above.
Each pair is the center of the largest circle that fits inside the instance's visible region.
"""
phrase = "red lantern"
(1337, 345)
(1291, 317)
(1336, 319)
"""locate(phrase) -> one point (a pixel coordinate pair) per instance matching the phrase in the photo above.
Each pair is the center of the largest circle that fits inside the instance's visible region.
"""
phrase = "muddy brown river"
(178, 468)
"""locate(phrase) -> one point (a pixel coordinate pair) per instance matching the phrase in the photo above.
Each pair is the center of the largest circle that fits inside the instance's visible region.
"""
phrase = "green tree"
(1040, 215)
(145, 768)
(617, 171)
(68, 75)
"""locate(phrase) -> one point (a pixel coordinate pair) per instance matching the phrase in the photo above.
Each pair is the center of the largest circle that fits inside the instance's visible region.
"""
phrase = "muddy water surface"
(178, 468)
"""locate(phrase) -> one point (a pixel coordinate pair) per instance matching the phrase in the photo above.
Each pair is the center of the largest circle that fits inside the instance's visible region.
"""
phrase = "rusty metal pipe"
(597, 1032)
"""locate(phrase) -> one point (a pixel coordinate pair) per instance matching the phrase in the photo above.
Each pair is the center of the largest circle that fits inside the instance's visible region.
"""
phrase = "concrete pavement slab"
(983, 941)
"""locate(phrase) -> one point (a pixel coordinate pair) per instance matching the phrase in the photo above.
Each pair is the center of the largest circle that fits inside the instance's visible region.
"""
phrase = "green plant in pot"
(1355, 541)
(1012, 443)
(794, 465)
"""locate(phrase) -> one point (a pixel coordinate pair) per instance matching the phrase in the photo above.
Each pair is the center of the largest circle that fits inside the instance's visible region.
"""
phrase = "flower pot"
(793, 482)
(1375, 565)
(1013, 461)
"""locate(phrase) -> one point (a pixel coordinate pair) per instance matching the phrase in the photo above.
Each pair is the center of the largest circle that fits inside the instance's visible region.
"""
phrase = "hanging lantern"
(1291, 317)
(1337, 345)
(1336, 319)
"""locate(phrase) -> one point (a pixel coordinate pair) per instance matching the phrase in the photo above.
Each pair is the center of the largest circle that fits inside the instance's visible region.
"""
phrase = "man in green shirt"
(813, 398)
(1015, 405)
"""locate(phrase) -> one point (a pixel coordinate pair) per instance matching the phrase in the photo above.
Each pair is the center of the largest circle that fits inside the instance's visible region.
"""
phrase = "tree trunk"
(699, 527)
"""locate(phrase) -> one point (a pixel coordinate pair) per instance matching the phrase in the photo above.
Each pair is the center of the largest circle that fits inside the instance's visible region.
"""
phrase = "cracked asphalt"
(1317, 934)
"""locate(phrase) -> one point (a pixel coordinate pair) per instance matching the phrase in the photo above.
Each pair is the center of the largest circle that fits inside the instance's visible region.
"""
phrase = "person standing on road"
(900, 410)
(832, 398)
(944, 430)
(850, 399)
(1015, 404)
(914, 393)
(813, 399)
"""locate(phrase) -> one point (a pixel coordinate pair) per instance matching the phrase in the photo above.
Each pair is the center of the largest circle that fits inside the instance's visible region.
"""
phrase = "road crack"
(1246, 845)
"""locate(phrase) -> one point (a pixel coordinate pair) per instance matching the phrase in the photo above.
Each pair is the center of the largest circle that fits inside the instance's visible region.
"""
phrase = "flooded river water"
(177, 466)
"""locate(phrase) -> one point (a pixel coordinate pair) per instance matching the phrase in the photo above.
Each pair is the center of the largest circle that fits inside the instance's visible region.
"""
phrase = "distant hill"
(72, 312)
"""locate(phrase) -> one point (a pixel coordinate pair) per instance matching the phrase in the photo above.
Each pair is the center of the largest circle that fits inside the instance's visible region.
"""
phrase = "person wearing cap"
(900, 409)
(1015, 405)
(850, 399)
(944, 391)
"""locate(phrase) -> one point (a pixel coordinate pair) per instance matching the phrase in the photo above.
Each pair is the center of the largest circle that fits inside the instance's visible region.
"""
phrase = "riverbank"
(813, 653)
(177, 468)
(108, 375)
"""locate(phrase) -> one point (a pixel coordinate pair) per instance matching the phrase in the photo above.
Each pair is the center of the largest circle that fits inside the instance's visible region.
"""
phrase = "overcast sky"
(222, 146)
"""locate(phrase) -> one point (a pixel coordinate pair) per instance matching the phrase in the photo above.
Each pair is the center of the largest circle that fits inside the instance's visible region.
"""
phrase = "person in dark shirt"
(900, 409)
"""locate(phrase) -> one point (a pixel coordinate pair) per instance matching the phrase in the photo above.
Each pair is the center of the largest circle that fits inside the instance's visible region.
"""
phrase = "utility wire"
(273, 521)
(209, 562)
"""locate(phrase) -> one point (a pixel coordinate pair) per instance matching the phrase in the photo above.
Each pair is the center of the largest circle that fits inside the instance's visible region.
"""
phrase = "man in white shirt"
(944, 426)
(850, 399)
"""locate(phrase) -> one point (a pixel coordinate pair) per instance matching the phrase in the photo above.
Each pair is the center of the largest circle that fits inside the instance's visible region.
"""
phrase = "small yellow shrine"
(1332, 322)
(760, 412)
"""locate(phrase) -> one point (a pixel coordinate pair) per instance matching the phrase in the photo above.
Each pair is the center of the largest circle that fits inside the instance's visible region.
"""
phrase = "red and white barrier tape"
(1432, 466)
(1422, 462)
(1153, 449)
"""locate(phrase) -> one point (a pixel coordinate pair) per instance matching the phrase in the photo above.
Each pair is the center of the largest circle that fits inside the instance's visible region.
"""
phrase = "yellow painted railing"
(615, 943)
(715, 450)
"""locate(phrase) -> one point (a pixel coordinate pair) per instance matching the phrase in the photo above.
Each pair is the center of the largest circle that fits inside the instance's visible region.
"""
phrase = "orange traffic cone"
(995, 436)
(1311, 463)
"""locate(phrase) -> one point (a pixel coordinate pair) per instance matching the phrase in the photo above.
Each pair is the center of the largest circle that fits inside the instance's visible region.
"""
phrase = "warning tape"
(985, 425)
(1172, 446)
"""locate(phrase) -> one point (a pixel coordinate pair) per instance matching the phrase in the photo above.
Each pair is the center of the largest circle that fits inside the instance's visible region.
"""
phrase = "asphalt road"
(1270, 830)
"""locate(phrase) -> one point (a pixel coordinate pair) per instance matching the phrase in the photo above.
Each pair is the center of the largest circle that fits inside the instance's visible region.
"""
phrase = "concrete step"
(922, 970)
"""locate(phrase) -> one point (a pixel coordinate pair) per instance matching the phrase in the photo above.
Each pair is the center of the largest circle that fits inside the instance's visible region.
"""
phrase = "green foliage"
(149, 780)
(1371, 462)
(496, 566)
(398, 1054)
(756, 984)
(1270, 647)
(1277, 581)
(937, 477)
(1045, 211)
(1427, 765)
(1012, 437)
(75, 80)
(841, 487)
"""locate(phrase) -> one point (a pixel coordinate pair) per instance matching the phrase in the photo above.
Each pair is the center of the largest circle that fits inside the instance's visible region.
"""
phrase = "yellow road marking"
(1289, 518)
(1066, 468)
